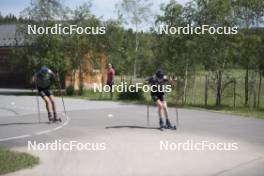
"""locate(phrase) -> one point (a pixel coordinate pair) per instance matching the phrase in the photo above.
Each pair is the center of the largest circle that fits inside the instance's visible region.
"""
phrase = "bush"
(70, 90)
(131, 95)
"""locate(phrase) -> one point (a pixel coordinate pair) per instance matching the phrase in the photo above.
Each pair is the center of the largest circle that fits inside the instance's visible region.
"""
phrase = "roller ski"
(169, 126)
(56, 119)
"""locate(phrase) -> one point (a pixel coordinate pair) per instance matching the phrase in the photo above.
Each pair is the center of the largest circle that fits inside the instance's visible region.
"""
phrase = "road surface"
(130, 146)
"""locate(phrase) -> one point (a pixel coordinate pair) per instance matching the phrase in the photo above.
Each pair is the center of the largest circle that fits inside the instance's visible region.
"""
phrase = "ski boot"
(169, 126)
(56, 119)
(50, 118)
(161, 123)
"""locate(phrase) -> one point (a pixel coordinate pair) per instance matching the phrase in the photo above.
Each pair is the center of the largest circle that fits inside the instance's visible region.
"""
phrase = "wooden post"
(234, 93)
(148, 113)
(206, 91)
(255, 91)
(259, 89)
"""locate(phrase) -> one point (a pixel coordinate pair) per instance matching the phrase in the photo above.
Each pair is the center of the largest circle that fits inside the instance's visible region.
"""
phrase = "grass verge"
(11, 161)
(240, 110)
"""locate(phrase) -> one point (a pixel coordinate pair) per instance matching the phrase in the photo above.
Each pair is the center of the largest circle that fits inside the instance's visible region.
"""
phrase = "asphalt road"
(130, 146)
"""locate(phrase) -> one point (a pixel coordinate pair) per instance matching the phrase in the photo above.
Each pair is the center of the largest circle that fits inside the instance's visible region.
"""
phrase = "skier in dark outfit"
(158, 96)
(42, 80)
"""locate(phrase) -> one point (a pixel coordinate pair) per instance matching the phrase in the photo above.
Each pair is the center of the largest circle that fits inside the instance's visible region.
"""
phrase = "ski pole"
(37, 101)
(148, 113)
(61, 94)
(176, 102)
(177, 115)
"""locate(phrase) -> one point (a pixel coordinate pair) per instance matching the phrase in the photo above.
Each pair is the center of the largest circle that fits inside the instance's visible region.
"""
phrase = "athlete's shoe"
(161, 123)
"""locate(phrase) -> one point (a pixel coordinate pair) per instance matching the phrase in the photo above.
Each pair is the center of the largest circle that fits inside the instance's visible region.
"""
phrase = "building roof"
(10, 37)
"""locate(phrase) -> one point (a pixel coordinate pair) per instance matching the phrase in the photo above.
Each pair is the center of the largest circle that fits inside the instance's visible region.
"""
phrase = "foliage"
(180, 55)
(70, 90)
(137, 95)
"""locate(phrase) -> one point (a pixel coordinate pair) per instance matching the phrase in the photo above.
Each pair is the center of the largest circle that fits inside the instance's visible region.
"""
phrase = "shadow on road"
(137, 127)
(9, 109)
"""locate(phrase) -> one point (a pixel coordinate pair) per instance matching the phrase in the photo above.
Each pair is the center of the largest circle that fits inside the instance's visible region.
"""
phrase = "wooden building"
(11, 39)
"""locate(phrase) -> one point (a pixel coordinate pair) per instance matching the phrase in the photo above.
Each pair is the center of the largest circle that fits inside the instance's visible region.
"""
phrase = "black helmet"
(159, 75)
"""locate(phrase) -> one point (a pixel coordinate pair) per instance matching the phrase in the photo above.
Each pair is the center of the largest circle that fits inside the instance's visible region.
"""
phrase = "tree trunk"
(81, 80)
(135, 69)
(218, 87)
(206, 90)
(131, 80)
(234, 94)
(185, 84)
(259, 88)
(246, 88)
(71, 84)
(136, 50)
(73, 78)
(122, 79)
(255, 91)
(194, 89)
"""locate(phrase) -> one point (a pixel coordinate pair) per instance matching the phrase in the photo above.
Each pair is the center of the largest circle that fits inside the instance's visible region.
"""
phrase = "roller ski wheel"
(50, 121)
(172, 128)
(169, 126)
(161, 128)
(57, 120)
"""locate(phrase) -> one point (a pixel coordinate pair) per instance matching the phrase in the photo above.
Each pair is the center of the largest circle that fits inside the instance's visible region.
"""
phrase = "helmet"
(159, 75)
(44, 69)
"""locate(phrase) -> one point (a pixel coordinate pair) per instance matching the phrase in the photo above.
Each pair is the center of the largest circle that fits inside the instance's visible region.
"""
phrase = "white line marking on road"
(16, 137)
(110, 115)
(59, 127)
(43, 132)
(26, 108)
(40, 132)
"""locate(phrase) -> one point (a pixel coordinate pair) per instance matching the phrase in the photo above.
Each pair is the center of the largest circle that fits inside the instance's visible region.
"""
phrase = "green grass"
(239, 110)
(11, 161)
(195, 97)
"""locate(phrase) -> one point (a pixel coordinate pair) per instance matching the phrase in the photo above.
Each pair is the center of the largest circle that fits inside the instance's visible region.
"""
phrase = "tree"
(179, 55)
(81, 46)
(136, 12)
(249, 14)
(218, 48)
(44, 11)
(46, 49)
